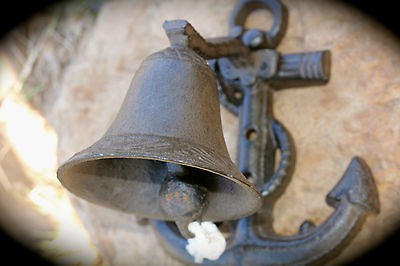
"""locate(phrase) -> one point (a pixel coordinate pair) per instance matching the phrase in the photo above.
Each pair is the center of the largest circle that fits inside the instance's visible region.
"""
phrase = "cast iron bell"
(169, 124)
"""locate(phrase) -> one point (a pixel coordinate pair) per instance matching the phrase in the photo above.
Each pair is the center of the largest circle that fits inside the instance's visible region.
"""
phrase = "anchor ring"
(255, 38)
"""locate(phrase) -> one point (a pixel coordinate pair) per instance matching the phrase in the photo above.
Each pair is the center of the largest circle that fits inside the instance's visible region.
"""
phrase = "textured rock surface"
(355, 114)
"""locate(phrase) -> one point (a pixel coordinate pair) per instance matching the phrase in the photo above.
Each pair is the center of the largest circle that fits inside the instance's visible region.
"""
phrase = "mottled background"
(65, 72)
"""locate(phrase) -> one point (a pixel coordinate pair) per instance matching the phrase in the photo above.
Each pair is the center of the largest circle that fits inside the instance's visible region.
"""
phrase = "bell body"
(170, 117)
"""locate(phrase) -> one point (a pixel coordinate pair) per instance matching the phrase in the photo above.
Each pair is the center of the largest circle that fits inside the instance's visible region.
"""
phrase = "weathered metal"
(164, 157)
(247, 81)
(170, 117)
(183, 201)
(252, 240)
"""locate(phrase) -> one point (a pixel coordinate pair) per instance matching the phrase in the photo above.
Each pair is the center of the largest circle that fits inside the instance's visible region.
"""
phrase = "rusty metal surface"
(182, 200)
(353, 198)
(246, 84)
(128, 169)
(170, 115)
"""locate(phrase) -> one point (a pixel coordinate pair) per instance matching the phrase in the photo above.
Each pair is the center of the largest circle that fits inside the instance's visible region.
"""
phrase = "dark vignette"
(14, 13)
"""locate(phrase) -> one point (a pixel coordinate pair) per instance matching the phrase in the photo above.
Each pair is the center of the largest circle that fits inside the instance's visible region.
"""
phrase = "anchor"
(165, 158)
(249, 71)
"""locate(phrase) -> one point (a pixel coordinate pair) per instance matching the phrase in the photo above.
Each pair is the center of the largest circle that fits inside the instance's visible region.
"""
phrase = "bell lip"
(237, 177)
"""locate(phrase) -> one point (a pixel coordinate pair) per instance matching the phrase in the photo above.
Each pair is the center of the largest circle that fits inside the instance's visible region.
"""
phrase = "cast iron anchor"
(248, 71)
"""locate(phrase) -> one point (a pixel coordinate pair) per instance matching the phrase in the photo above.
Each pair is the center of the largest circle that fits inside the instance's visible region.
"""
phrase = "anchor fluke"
(358, 186)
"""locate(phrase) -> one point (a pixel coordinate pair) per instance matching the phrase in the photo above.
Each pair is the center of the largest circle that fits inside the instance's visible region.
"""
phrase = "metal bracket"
(249, 72)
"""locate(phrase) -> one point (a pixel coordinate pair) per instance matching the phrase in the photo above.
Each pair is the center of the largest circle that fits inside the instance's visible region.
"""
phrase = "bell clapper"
(185, 202)
(182, 201)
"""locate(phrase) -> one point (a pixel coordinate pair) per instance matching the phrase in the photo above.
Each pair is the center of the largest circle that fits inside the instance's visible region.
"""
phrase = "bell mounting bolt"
(165, 158)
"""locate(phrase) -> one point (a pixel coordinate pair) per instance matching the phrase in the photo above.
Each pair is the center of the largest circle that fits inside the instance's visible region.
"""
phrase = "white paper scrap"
(208, 243)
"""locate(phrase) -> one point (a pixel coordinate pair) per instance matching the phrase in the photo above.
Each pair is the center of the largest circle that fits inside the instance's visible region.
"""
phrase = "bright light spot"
(31, 138)
(8, 76)
(35, 144)
(70, 244)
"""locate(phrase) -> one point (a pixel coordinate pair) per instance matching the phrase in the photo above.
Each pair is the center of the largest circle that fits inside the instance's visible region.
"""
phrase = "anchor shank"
(256, 148)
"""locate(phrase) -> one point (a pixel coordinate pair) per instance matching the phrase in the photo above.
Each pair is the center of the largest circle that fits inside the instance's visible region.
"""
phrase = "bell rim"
(92, 153)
